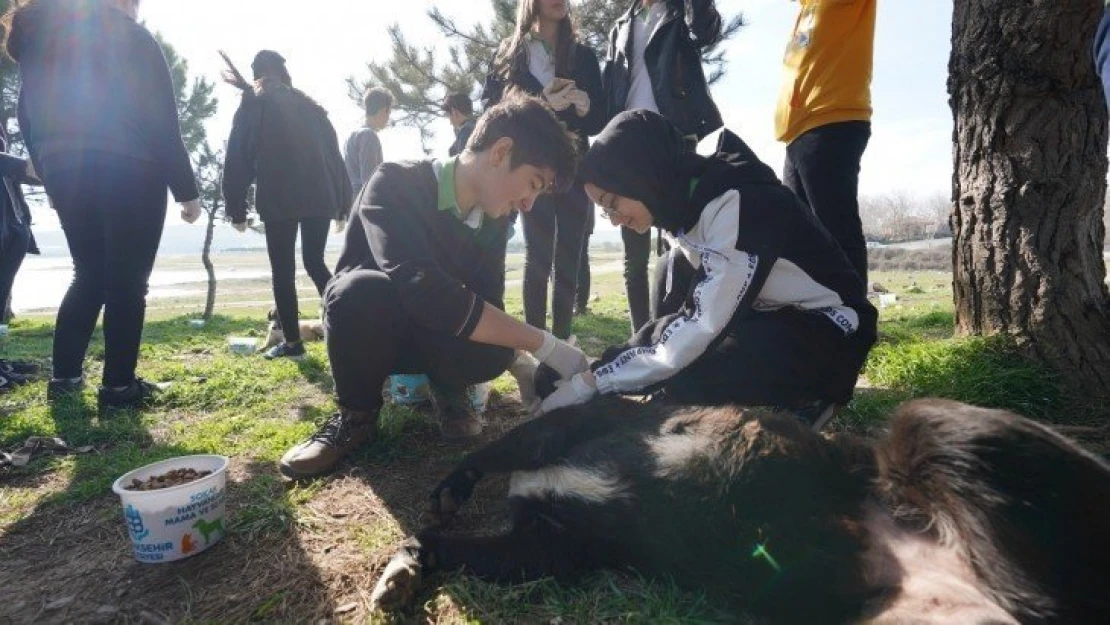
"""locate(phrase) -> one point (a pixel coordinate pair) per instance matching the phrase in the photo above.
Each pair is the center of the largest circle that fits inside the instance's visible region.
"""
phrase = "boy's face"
(508, 189)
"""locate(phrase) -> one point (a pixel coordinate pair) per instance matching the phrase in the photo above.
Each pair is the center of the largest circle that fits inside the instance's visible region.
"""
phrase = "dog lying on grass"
(311, 330)
(957, 515)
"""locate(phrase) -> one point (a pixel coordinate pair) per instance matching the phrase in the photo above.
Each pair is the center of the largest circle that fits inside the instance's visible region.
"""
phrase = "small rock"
(59, 603)
(346, 607)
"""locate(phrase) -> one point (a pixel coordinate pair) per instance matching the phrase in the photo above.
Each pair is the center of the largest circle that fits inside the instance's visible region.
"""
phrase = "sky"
(327, 41)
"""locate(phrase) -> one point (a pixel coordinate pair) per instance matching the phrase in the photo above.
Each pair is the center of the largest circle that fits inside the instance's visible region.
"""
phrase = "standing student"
(654, 63)
(460, 112)
(98, 112)
(283, 141)
(363, 151)
(16, 241)
(755, 304)
(824, 114)
(582, 293)
(545, 58)
(420, 284)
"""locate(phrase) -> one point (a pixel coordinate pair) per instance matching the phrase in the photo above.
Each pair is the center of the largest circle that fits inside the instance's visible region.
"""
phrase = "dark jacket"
(443, 270)
(283, 141)
(586, 74)
(674, 63)
(13, 170)
(93, 81)
(462, 135)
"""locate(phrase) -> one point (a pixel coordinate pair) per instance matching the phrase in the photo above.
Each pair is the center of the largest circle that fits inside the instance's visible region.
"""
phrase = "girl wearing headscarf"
(755, 303)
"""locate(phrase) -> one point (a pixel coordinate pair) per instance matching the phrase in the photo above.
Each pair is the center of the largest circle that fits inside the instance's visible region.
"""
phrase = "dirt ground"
(67, 564)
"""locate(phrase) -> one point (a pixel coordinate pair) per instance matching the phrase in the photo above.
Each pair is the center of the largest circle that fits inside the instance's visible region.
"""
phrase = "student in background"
(544, 58)
(16, 241)
(99, 116)
(654, 63)
(824, 114)
(460, 112)
(282, 141)
(363, 151)
(420, 284)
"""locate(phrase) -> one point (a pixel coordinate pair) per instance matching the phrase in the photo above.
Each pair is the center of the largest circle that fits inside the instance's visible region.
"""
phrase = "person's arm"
(494, 87)
(728, 281)
(239, 161)
(164, 128)
(15, 169)
(370, 154)
(589, 80)
(704, 22)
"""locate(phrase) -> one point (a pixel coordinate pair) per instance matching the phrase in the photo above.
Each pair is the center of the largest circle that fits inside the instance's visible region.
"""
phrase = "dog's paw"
(450, 495)
(398, 584)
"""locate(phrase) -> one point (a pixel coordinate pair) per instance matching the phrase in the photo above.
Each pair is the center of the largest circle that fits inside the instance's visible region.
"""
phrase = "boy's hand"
(564, 358)
(190, 211)
(241, 226)
(340, 225)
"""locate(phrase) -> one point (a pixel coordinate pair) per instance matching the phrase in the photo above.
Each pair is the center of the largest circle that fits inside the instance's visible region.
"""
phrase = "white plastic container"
(244, 345)
(3, 329)
(176, 522)
(196, 323)
(887, 299)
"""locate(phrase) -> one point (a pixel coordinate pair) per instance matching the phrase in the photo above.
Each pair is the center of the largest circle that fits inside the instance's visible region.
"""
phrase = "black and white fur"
(311, 330)
(957, 515)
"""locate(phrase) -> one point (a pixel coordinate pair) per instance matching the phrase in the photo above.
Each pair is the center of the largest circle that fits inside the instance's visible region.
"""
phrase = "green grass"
(253, 410)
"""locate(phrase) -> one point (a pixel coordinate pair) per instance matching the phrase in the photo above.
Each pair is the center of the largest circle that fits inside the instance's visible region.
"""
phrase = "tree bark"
(206, 258)
(1030, 178)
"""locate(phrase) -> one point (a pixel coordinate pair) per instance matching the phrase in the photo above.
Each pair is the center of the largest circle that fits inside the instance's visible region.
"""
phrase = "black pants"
(780, 358)
(637, 252)
(112, 210)
(582, 290)
(822, 168)
(371, 337)
(554, 231)
(281, 245)
(14, 241)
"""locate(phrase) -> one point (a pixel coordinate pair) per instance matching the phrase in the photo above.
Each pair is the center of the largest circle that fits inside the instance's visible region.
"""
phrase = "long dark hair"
(512, 56)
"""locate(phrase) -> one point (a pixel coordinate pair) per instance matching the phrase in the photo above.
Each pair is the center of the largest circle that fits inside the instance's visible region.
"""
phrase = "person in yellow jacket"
(824, 114)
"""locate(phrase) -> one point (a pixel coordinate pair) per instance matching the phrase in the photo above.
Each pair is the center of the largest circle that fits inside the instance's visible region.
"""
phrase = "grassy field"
(311, 552)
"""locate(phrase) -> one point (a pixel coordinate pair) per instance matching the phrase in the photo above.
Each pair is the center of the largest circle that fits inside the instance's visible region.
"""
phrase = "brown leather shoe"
(345, 431)
(457, 417)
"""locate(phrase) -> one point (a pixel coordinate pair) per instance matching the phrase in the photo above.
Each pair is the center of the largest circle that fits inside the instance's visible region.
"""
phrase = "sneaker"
(458, 419)
(816, 414)
(20, 367)
(138, 394)
(57, 389)
(345, 431)
(285, 350)
(9, 381)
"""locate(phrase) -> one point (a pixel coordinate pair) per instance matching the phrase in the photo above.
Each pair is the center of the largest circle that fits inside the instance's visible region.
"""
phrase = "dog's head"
(272, 317)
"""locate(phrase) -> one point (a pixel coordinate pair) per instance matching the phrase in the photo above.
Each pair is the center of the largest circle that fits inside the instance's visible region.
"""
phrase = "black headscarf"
(268, 62)
(642, 156)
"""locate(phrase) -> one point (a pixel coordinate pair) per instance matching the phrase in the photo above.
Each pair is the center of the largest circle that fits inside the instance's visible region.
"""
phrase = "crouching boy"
(420, 283)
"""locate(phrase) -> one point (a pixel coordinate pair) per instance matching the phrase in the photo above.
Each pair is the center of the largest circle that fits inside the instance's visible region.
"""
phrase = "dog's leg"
(531, 551)
(532, 445)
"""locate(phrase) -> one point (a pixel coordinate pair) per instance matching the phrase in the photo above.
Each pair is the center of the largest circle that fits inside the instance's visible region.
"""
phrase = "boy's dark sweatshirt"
(93, 80)
(444, 271)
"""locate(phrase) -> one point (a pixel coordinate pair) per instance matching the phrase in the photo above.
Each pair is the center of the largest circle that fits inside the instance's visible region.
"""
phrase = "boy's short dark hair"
(539, 138)
(460, 102)
(375, 99)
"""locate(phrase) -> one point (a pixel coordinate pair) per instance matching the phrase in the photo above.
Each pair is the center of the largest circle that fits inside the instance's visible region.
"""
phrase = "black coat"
(283, 141)
(586, 74)
(674, 63)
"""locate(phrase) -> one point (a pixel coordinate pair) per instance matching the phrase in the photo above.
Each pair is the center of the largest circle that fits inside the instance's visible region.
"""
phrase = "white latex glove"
(564, 358)
(241, 226)
(577, 390)
(340, 225)
(523, 370)
(190, 211)
(556, 93)
(581, 101)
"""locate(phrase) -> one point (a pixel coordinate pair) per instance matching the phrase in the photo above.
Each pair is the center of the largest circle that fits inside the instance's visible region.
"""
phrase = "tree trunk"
(1030, 178)
(206, 258)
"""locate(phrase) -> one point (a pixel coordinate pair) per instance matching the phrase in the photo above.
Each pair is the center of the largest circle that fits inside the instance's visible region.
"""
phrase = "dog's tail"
(1029, 507)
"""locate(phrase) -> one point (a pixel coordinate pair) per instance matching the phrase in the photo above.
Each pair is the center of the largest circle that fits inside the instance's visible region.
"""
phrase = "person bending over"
(756, 303)
(420, 283)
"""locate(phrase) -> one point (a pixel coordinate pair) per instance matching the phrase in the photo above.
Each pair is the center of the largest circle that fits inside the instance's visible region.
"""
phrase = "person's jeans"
(822, 169)
(112, 211)
(637, 253)
(281, 245)
(582, 292)
(370, 337)
(554, 233)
